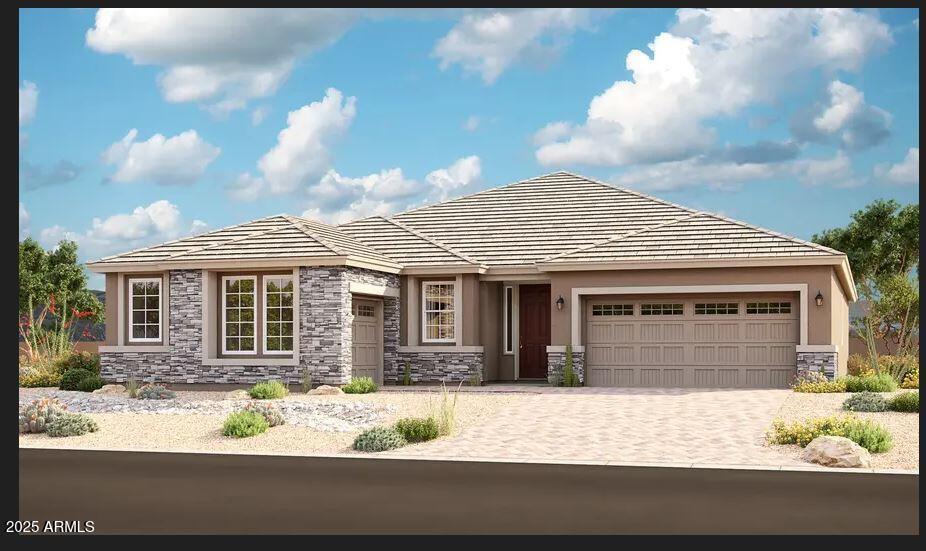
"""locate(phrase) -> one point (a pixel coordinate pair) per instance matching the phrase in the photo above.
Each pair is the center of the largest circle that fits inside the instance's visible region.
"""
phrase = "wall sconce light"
(560, 301)
(819, 298)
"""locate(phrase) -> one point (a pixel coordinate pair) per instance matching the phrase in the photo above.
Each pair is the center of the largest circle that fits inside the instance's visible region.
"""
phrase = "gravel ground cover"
(904, 427)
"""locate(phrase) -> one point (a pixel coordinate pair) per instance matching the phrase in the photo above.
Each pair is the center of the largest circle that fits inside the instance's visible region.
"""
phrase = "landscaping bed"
(904, 427)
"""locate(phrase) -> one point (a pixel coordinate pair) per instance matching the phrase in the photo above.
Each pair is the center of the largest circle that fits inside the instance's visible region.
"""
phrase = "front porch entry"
(534, 330)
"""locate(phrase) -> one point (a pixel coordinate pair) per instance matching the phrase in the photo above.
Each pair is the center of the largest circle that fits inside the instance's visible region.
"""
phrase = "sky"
(138, 126)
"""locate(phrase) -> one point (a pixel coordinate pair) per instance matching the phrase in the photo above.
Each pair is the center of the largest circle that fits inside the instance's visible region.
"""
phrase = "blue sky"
(138, 127)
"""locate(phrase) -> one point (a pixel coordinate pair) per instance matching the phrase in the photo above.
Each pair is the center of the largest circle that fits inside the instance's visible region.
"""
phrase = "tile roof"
(407, 246)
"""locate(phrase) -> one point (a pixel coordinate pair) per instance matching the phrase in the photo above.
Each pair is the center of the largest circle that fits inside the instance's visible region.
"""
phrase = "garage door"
(679, 341)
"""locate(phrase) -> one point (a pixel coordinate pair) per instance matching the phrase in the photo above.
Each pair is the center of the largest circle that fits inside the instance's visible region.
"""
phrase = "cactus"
(36, 416)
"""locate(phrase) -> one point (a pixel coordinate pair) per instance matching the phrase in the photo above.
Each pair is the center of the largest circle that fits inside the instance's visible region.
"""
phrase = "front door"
(367, 348)
(534, 323)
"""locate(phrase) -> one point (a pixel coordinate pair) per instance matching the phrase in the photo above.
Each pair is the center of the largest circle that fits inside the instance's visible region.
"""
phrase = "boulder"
(836, 451)
(326, 390)
(110, 389)
(237, 395)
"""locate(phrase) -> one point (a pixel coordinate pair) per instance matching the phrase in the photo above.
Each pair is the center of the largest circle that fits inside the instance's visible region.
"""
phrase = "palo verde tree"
(883, 245)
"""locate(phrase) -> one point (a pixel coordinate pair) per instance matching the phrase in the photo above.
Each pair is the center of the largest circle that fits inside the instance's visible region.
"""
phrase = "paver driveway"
(638, 425)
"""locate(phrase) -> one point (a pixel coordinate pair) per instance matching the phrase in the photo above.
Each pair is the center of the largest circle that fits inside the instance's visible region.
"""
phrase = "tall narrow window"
(278, 318)
(238, 314)
(145, 305)
(509, 323)
(438, 311)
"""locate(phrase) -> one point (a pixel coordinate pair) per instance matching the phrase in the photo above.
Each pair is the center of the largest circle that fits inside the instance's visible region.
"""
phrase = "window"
(364, 310)
(612, 309)
(278, 314)
(509, 322)
(239, 312)
(661, 309)
(715, 308)
(145, 306)
(438, 310)
(768, 307)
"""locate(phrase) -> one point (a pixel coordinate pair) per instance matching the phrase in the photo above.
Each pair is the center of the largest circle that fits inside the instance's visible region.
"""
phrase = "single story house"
(497, 285)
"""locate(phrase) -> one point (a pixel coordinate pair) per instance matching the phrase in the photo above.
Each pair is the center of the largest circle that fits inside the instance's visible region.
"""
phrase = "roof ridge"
(774, 233)
(299, 222)
(235, 240)
(430, 240)
(620, 236)
(187, 237)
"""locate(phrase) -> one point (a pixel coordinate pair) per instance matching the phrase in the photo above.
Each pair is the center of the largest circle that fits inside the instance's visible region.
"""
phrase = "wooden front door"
(367, 347)
(534, 323)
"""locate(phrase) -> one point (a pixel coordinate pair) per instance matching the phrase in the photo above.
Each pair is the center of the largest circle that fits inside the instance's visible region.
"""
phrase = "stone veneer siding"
(817, 361)
(324, 342)
(556, 363)
(435, 367)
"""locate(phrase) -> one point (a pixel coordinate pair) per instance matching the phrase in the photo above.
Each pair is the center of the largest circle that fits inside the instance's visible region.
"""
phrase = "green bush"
(569, 374)
(32, 377)
(360, 385)
(417, 429)
(899, 367)
(242, 424)
(870, 383)
(78, 360)
(819, 386)
(71, 424)
(407, 374)
(72, 378)
(268, 390)
(865, 401)
(91, 383)
(867, 434)
(906, 402)
(379, 439)
(267, 410)
(152, 391)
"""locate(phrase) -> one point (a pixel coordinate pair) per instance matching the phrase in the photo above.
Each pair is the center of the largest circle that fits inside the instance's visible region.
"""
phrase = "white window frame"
(224, 321)
(424, 311)
(160, 282)
(506, 302)
(264, 280)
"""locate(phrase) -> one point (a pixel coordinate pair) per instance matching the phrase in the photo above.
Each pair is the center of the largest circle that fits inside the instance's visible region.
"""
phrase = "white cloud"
(446, 182)
(471, 124)
(905, 172)
(844, 117)
(488, 43)
(146, 225)
(302, 153)
(836, 171)
(259, 114)
(23, 221)
(181, 159)
(222, 57)
(245, 188)
(713, 63)
(28, 101)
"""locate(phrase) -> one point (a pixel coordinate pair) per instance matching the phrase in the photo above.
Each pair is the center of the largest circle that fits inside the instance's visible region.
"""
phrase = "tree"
(883, 244)
(47, 277)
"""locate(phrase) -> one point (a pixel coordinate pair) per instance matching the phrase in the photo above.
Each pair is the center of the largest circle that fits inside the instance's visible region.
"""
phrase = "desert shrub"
(91, 383)
(867, 434)
(71, 424)
(378, 439)
(306, 380)
(865, 401)
(242, 424)
(906, 402)
(36, 416)
(72, 378)
(912, 380)
(569, 374)
(871, 383)
(360, 385)
(78, 360)
(268, 390)
(152, 391)
(816, 382)
(267, 410)
(443, 410)
(407, 374)
(899, 367)
(131, 387)
(31, 377)
(857, 364)
(417, 429)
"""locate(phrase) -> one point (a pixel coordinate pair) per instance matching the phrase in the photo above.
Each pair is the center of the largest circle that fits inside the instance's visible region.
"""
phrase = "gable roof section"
(405, 245)
(272, 238)
(528, 221)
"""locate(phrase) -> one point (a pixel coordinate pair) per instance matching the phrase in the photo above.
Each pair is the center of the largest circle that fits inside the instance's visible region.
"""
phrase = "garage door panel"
(708, 349)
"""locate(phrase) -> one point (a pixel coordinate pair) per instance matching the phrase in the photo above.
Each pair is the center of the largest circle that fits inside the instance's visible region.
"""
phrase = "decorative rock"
(836, 451)
(110, 389)
(237, 395)
(326, 390)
